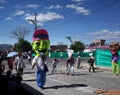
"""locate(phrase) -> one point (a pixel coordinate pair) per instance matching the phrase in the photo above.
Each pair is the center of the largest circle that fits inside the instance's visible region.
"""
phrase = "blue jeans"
(41, 78)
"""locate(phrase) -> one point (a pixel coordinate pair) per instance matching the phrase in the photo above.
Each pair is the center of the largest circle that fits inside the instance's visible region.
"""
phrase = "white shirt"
(19, 61)
(39, 63)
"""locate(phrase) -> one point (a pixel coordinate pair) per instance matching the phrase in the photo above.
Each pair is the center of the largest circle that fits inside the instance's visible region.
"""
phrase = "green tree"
(23, 45)
(77, 46)
(92, 44)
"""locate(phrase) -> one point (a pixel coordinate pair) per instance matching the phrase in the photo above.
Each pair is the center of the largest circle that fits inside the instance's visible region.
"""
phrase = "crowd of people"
(18, 63)
(70, 64)
(15, 61)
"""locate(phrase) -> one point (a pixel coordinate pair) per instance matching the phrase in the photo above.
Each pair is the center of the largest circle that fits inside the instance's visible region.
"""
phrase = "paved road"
(83, 83)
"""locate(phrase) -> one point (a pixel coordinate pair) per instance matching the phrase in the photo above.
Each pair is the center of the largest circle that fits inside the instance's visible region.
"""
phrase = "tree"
(19, 33)
(92, 44)
(23, 45)
(70, 39)
(77, 46)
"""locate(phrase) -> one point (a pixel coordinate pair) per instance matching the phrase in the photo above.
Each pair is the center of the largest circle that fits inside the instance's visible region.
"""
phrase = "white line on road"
(57, 81)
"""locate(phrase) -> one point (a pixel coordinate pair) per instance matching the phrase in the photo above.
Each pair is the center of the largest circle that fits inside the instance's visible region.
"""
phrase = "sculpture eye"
(111, 46)
(37, 43)
(115, 45)
(44, 42)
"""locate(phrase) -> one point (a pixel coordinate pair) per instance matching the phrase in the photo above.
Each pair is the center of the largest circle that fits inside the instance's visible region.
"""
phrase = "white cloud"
(27, 6)
(105, 34)
(32, 6)
(2, 1)
(8, 18)
(48, 16)
(54, 7)
(79, 9)
(1, 7)
(78, 0)
(42, 18)
(19, 12)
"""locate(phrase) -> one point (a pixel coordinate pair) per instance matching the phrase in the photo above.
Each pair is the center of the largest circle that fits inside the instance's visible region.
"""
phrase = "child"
(55, 62)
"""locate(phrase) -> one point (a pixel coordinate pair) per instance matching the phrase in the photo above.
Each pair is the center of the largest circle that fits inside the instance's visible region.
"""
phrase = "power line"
(34, 21)
(79, 17)
(70, 14)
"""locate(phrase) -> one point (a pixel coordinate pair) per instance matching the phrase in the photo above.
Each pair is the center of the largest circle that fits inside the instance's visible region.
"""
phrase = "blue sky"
(84, 20)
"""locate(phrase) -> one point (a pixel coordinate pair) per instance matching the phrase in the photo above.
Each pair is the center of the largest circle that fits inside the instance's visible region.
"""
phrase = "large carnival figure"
(114, 48)
(40, 45)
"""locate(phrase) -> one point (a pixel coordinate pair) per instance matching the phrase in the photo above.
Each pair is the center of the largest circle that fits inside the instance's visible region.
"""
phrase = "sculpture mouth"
(114, 51)
(42, 51)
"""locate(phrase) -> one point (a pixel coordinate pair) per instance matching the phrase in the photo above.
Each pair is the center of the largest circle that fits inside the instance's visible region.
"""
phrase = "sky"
(82, 20)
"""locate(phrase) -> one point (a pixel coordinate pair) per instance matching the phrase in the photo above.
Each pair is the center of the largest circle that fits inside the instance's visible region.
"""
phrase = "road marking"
(57, 81)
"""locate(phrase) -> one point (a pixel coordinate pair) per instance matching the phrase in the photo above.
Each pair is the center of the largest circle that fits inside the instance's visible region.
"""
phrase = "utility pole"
(34, 21)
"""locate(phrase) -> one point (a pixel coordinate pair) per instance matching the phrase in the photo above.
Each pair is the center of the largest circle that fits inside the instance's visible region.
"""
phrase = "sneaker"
(41, 88)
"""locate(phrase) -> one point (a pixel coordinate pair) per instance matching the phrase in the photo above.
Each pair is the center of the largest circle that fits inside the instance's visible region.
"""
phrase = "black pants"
(91, 66)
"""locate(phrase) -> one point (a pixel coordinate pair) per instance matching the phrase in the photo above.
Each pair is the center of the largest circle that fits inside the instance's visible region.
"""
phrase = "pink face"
(114, 47)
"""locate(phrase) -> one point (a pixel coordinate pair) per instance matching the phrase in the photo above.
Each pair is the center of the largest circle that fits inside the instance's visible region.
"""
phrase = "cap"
(40, 34)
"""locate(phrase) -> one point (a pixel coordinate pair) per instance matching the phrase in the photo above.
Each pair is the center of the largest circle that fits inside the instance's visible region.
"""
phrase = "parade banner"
(70, 52)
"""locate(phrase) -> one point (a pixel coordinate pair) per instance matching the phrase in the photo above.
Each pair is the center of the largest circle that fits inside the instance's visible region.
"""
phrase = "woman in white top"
(19, 63)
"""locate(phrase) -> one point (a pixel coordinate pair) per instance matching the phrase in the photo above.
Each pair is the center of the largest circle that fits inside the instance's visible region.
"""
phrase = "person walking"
(19, 63)
(10, 63)
(91, 63)
(55, 62)
(29, 58)
(70, 65)
(78, 62)
(40, 73)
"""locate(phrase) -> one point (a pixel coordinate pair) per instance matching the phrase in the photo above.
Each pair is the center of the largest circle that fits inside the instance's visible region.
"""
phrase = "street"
(83, 83)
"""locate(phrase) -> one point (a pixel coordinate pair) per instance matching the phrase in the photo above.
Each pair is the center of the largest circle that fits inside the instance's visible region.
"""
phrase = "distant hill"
(5, 47)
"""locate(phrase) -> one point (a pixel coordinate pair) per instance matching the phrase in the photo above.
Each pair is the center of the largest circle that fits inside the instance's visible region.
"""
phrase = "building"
(58, 47)
(99, 42)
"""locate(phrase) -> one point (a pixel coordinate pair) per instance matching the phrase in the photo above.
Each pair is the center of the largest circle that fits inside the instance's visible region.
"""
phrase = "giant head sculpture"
(114, 48)
(40, 42)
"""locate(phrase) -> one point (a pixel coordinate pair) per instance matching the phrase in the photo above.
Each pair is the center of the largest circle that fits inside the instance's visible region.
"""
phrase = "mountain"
(5, 47)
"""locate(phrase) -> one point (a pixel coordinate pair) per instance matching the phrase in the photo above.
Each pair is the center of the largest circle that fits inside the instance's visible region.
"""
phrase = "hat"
(92, 57)
(40, 34)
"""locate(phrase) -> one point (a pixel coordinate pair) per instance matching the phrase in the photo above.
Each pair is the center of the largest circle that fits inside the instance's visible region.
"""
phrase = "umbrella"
(11, 54)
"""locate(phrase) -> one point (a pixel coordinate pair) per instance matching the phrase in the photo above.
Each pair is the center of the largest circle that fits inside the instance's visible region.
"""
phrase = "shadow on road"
(81, 74)
(30, 80)
(29, 72)
(66, 86)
